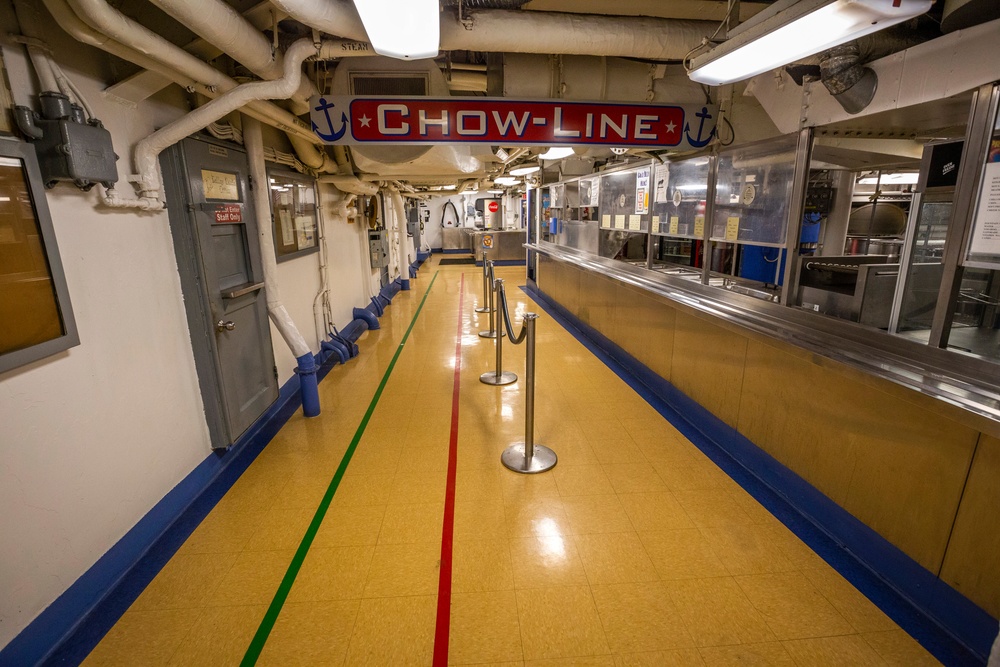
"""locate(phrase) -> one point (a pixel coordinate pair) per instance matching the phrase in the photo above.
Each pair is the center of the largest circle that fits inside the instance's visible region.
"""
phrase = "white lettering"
(590, 125)
(441, 122)
(642, 127)
(559, 131)
(478, 115)
(620, 130)
(384, 110)
(511, 121)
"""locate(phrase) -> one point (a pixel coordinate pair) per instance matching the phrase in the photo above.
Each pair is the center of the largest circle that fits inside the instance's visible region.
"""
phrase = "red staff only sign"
(419, 120)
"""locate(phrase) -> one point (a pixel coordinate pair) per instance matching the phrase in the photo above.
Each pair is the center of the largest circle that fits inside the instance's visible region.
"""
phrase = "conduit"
(521, 31)
(254, 143)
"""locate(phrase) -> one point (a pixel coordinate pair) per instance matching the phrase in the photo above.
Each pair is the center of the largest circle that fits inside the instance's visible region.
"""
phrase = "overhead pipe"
(222, 26)
(254, 142)
(147, 151)
(528, 31)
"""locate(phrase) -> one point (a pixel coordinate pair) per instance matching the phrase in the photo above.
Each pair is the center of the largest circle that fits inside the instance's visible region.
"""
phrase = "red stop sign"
(494, 207)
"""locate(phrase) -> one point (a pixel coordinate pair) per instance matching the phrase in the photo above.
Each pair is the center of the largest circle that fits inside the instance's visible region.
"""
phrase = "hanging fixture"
(524, 170)
(402, 29)
(556, 153)
(790, 30)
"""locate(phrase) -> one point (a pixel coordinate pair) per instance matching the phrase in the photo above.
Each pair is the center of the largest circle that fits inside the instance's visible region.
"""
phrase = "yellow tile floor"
(635, 550)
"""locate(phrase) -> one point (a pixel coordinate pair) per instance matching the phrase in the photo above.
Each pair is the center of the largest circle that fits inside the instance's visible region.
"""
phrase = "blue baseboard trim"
(437, 250)
(455, 251)
(942, 620)
(69, 629)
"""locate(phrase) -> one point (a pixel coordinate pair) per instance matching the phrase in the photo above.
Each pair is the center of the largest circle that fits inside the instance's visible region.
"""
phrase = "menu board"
(984, 244)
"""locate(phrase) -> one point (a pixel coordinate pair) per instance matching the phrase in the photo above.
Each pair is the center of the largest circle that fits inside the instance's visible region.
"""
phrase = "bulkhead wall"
(919, 472)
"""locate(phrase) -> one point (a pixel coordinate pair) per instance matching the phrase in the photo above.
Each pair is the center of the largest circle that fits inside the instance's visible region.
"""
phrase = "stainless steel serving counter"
(508, 244)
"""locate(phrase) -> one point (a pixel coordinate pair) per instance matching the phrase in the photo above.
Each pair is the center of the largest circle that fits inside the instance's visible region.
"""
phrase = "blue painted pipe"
(413, 270)
(354, 330)
(367, 316)
(308, 384)
(391, 290)
(404, 285)
(422, 256)
(335, 347)
(377, 305)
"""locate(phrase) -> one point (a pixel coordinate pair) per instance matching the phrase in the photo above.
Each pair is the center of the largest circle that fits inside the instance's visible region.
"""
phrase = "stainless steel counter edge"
(965, 382)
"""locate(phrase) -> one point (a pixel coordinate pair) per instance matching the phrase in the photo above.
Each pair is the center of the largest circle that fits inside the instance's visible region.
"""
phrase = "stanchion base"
(484, 309)
(542, 460)
(489, 334)
(506, 377)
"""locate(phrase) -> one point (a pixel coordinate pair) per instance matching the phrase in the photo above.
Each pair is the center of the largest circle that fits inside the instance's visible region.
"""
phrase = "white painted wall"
(92, 438)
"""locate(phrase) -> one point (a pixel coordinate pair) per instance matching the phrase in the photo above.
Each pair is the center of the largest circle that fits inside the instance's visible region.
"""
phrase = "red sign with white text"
(494, 207)
(419, 120)
(228, 213)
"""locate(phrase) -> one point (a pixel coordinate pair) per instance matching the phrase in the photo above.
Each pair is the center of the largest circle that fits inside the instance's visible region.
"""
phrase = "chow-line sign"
(357, 121)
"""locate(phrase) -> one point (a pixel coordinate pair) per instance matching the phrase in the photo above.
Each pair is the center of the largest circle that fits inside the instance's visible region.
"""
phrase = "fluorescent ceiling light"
(794, 30)
(525, 170)
(403, 29)
(556, 153)
(906, 178)
(494, 192)
(506, 180)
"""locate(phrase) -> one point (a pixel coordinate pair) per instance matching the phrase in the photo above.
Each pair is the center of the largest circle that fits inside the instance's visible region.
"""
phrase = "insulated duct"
(148, 149)
(844, 74)
(222, 26)
(254, 142)
(528, 31)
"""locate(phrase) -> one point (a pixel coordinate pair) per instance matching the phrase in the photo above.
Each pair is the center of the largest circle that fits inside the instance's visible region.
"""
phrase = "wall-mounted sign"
(219, 185)
(984, 244)
(418, 120)
(228, 213)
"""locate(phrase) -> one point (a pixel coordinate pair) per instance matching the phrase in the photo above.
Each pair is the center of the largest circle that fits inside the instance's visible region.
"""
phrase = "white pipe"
(106, 20)
(148, 149)
(222, 26)
(404, 251)
(27, 18)
(254, 143)
(350, 184)
(528, 31)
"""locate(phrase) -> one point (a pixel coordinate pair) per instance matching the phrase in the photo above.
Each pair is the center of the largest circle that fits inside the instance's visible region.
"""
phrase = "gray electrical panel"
(378, 248)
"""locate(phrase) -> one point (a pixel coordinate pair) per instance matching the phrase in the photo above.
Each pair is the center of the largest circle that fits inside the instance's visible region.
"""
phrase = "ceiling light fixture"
(402, 29)
(903, 178)
(525, 170)
(790, 30)
(506, 180)
(556, 153)
(494, 192)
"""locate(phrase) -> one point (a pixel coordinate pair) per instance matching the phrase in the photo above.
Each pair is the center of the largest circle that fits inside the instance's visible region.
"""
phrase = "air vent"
(378, 83)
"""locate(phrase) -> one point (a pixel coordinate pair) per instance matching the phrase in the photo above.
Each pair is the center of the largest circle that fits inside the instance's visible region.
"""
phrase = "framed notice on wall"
(984, 241)
(293, 214)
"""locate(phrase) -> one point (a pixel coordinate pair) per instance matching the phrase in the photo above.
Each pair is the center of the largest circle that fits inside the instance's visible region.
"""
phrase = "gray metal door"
(218, 253)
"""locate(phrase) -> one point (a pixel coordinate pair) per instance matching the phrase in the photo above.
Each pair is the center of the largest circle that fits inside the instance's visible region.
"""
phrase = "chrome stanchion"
(526, 457)
(499, 376)
(485, 308)
(492, 331)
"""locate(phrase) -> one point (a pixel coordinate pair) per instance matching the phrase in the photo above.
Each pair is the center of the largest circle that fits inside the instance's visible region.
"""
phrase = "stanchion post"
(485, 307)
(499, 376)
(527, 457)
(492, 332)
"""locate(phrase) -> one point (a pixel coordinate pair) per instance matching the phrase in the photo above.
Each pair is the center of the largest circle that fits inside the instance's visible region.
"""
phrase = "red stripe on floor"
(443, 626)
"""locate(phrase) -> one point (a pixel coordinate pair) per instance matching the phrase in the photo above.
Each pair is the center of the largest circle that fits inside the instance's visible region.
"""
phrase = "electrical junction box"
(69, 147)
(378, 248)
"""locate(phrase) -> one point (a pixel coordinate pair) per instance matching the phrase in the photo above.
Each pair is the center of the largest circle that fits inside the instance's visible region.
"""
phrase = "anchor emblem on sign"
(331, 134)
(698, 142)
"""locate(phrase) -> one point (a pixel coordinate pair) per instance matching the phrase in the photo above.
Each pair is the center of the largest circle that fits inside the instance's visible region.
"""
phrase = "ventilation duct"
(844, 74)
(487, 4)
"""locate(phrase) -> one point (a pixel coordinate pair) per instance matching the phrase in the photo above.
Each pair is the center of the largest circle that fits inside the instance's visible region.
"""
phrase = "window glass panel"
(29, 311)
(293, 209)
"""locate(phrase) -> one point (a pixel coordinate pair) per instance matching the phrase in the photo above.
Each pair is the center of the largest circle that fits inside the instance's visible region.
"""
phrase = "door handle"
(225, 325)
